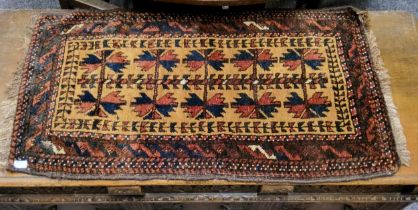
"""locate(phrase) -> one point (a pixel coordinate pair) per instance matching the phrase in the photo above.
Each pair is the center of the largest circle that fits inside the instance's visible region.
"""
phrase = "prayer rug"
(267, 96)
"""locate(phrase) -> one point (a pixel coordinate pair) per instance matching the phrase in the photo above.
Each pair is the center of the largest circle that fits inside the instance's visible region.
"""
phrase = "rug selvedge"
(288, 96)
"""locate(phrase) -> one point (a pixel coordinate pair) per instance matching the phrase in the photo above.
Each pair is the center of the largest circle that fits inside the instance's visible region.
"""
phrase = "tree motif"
(205, 108)
(154, 58)
(107, 105)
(305, 107)
(253, 57)
(312, 108)
(199, 109)
(256, 109)
(115, 61)
(199, 58)
(153, 109)
(296, 57)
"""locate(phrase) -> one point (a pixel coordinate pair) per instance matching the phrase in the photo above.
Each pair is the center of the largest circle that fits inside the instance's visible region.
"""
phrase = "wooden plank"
(215, 2)
(397, 37)
(92, 4)
(211, 198)
(276, 189)
(125, 190)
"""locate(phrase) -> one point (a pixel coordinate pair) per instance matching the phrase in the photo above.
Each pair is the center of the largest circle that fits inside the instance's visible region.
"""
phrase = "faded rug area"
(267, 96)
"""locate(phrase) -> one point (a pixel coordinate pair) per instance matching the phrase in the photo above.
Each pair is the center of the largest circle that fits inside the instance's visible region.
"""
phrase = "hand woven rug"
(267, 96)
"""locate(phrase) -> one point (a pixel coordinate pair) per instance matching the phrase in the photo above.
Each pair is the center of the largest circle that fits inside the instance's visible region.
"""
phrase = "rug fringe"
(384, 79)
(7, 111)
(9, 105)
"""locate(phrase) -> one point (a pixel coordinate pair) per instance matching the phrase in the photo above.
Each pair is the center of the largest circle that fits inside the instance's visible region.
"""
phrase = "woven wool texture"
(274, 96)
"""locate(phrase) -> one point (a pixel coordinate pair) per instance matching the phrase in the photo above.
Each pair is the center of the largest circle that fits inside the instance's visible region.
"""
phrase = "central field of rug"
(273, 96)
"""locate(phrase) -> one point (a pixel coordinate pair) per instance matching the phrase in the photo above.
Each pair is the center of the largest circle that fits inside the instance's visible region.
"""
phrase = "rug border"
(377, 66)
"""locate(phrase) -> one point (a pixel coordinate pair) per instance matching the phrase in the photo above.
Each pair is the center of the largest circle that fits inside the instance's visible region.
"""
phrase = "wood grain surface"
(215, 2)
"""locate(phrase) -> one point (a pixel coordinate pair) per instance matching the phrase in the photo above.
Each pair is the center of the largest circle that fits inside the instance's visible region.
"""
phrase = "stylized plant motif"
(253, 57)
(204, 108)
(153, 109)
(155, 58)
(304, 107)
(255, 107)
(314, 107)
(115, 61)
(200, 109)
(108, 104)
(301, 57)
(204, 58)
(261, 108)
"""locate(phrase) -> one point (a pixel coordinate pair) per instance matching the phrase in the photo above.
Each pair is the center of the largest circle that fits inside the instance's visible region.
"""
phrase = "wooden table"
(397, 37)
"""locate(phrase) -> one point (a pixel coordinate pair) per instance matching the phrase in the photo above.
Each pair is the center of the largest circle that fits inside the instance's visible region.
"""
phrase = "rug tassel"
(384, 79)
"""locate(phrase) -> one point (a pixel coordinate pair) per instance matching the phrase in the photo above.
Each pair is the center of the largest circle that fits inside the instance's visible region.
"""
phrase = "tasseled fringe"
(7, 112)
(384, 80)
(8, 106)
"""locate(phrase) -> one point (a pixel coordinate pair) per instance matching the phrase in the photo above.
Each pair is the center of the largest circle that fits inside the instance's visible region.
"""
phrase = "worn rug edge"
(9, 104)
(384, 80)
